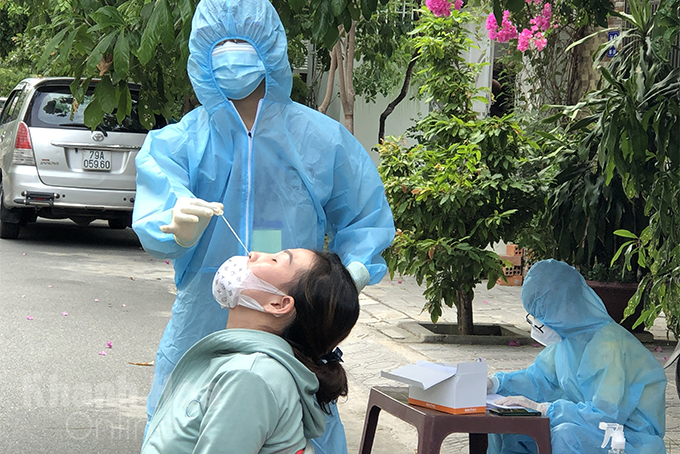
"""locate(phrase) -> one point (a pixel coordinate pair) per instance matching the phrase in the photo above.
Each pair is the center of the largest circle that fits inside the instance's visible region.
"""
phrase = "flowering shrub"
(442, 7)
(534, 36)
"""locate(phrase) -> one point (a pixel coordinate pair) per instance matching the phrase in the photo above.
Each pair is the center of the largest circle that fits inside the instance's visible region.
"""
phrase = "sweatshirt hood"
(557, 295)
(247, 341)
(254, 21)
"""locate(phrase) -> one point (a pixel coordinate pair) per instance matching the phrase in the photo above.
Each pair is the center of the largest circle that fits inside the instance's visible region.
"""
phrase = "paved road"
(59, 395)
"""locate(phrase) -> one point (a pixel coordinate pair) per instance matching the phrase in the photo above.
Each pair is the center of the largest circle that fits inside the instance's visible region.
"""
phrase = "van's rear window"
(55, 107)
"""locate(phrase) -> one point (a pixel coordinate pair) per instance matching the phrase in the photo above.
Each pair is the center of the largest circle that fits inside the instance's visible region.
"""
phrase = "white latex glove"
(524, 402)
(190, 217)
(492, 385)
(359, 274)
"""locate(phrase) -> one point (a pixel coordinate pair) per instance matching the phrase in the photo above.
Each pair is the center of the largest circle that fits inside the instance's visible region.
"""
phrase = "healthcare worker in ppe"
(591, 370)
(284, 176)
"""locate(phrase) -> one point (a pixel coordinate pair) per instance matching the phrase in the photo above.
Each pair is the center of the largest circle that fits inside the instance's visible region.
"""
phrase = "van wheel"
(8, 230)
(118, 224)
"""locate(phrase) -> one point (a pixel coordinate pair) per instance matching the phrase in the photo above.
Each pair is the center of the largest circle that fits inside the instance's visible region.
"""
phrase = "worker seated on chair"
(592, 370)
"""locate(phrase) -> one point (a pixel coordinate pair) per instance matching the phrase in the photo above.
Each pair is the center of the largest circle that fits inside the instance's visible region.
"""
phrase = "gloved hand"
(190, 217)
(524, 402)
(359, 274)
(492, 385)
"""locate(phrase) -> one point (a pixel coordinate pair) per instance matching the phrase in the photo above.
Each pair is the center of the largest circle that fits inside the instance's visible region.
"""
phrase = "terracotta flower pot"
(615, 296)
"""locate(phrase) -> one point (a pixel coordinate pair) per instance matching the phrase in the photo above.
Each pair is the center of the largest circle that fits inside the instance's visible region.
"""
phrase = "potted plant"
(466, 182)
(578, 222)
(633, 124)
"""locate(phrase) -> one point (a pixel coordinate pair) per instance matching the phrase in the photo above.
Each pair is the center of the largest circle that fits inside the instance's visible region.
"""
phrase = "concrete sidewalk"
(380, 342)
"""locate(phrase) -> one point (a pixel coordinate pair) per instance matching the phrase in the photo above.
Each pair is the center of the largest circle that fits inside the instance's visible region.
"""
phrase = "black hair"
(326, 310)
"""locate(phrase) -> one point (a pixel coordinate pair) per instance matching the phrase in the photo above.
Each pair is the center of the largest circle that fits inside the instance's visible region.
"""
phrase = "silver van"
(53, 166)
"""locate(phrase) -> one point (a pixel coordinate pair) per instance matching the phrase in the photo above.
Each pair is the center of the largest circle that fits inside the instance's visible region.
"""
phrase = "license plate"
(97, 160)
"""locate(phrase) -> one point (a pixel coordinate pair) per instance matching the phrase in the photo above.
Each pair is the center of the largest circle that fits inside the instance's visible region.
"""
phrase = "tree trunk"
(331, 81)
(346, 75)
(464, 307)
(402, 94)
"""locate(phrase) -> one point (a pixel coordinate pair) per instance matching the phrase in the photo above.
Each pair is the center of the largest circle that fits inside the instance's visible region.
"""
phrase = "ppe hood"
(254, 21)
(557, 295)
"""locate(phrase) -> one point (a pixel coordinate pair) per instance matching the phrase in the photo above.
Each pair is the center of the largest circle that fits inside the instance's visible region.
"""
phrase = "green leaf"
(121, 56)
(98, 52)
(625, 234)
(124, 102)
(106, 94)
(108, 16)
(51, 46)
(368, 7)
(297, 5)
(514, 6)
(338, 6)
(93, 113)
(155, 30)
(323, 19)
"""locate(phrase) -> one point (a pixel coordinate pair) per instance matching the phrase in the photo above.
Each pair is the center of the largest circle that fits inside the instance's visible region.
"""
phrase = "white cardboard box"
(452, 389)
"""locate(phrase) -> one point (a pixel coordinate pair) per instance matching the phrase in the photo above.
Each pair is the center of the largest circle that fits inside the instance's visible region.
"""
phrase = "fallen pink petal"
(123, 305)
(167, 262)
(536, 345)
(50, 286)
(96, 300)
(64, 314)
(102, 353)
(485, 302)
(109, 344)
(665, 358)
(24, 253)
(29, 318)
(23, 296)
(658, 349)
(513, 343)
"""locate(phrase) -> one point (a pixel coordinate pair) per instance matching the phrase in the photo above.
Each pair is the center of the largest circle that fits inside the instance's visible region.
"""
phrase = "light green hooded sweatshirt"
(237, 391)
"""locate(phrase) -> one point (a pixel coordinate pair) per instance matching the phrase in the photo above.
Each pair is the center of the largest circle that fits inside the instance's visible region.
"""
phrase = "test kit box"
(452, 389)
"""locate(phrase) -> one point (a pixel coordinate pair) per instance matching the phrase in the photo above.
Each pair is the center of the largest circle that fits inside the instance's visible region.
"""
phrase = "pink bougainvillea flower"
(524, 40)
(24, 253)
(508, 30)
(399, 281)
(492, 26)
(539, 41)
(665, 358)
(30, 317)
(458, 4)
(513, 343)
(536, 345)
(658, 349)
(50, 286)
(96, 300)
(102, 353)
(109, 344)
(167, 262)
(64, 314)
(485, 302)
(439, 7)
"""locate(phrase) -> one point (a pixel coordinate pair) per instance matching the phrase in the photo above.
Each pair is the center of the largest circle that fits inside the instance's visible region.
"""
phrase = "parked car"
(53, 166)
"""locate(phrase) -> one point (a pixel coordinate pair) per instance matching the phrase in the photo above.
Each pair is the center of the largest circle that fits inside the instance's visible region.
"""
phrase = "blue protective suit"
(598, 372)
(294, 177)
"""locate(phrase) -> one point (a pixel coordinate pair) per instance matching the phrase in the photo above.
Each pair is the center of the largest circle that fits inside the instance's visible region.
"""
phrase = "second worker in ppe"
(592, 370)
(282, 174)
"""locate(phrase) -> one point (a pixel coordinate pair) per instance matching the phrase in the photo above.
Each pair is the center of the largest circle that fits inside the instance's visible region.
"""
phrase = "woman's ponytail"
(326, 310)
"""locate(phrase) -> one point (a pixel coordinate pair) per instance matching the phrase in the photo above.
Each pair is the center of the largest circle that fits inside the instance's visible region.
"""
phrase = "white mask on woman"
(232, 278)
(542, 334)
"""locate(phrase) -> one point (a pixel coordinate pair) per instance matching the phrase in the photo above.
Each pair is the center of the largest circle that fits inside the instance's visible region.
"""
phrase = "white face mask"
(542, 334)
(232, 278)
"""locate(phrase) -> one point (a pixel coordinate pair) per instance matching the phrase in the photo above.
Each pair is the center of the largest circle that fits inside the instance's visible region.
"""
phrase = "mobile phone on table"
(515, 412)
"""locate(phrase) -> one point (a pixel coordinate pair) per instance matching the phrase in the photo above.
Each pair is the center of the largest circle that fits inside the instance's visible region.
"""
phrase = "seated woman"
(592, 370)
(262, 384)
